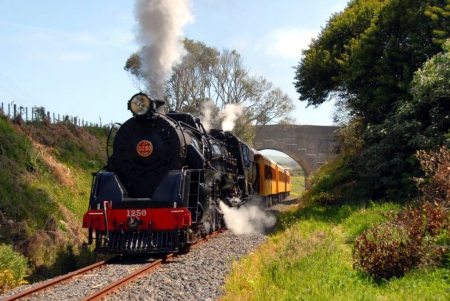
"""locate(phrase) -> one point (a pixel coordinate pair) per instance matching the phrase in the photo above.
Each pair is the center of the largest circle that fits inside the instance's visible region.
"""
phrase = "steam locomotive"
(161, 187)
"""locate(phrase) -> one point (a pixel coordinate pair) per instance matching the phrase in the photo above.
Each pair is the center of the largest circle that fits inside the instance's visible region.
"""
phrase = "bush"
(13, 267)
(393, 249)
(419, 235)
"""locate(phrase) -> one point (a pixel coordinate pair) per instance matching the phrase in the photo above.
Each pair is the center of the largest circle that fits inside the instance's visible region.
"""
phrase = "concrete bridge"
(309, 145)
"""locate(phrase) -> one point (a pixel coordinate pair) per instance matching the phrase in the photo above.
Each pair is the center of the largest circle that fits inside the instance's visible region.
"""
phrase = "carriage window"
(267, 172)
(246, 155)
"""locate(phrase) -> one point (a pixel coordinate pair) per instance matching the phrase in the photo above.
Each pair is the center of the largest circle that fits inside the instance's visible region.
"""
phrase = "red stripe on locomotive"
(154, 218)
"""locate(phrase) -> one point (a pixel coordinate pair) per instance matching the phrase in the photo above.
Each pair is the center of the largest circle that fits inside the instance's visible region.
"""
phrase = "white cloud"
(286, 42)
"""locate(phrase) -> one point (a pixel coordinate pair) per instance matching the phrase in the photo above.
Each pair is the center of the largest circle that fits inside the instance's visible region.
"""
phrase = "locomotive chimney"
(158, 106)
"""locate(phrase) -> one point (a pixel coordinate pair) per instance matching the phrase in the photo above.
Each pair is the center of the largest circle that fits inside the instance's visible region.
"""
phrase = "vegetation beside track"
(298, 186)
(45, 175)
(310, 258)
(316, 251)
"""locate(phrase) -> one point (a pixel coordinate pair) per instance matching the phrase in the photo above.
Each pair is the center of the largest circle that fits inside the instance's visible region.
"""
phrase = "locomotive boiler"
(161, 187)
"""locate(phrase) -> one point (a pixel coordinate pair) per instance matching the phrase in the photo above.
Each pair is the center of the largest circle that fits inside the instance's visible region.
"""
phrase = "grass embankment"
(310, 256)
(298, 186)
(45, 176)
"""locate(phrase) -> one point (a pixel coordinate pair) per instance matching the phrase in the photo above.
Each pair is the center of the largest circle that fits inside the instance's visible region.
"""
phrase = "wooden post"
(48, 117)
(15, 111)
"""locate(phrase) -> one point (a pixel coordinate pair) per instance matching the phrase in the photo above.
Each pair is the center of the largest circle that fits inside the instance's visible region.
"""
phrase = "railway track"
(114, 286)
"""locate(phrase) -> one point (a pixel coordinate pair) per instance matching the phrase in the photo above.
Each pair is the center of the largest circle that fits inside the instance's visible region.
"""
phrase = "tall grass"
(298, 186)
(311, 259)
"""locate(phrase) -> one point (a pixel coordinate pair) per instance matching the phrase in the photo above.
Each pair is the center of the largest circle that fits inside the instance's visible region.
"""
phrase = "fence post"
(48, 117)
(53, 117)
(15, 111)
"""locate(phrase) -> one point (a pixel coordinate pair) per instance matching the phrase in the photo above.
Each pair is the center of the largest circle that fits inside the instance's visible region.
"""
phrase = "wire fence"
(39, 114)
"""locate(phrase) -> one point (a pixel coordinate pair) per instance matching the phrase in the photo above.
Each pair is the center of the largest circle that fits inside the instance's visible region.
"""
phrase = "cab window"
(245, 154)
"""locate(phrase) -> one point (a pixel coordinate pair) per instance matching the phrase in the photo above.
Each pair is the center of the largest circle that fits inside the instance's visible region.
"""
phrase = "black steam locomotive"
(161, 187)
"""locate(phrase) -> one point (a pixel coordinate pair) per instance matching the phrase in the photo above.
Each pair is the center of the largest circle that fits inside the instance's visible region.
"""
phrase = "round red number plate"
(144, 148)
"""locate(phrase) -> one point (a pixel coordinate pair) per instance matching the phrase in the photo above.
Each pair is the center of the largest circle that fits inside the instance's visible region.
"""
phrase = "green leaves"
(13, 268)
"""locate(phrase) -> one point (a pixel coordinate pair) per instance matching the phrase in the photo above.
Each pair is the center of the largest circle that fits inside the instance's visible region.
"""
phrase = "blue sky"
(68, 56)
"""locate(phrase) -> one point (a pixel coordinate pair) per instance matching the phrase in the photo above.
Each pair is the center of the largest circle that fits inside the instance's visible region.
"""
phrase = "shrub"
(393, 249)
(13, 267)
(419, 235)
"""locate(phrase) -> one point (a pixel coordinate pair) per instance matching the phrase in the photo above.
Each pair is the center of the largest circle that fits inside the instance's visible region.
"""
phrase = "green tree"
(321, 70)
(366, 56)
(440, 14)
(421, 123)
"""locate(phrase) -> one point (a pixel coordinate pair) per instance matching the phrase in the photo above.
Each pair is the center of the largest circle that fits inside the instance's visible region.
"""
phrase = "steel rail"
(147, 269)
(127, 279)
(38, 288)
(113, 286)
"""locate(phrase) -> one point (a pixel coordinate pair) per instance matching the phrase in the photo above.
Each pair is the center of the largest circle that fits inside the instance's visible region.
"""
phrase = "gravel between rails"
(83, 285)
(197, 275)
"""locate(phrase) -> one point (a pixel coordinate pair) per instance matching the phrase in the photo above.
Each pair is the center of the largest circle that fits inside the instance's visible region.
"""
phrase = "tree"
(367, 55)
(209, 79)
(441, 15)
(190, 84)
(321, 70)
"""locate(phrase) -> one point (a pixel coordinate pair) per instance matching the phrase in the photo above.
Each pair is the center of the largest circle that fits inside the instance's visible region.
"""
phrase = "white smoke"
(231, 113)
(160, 24)
(207, 114)
(247, 219)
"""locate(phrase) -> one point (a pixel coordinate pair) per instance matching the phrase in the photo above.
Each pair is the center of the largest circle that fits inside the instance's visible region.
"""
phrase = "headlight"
(139, 104)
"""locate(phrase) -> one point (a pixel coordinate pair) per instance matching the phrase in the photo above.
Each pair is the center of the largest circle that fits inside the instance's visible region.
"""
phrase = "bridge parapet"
(310, 146)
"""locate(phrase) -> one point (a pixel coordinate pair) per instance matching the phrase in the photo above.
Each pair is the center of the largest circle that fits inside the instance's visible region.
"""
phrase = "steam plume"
(207, 111)
(231, 112)
(247, 219)
(160, 24)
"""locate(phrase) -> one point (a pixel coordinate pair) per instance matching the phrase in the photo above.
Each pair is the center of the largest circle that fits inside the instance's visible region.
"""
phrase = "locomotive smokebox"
(145, 150)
